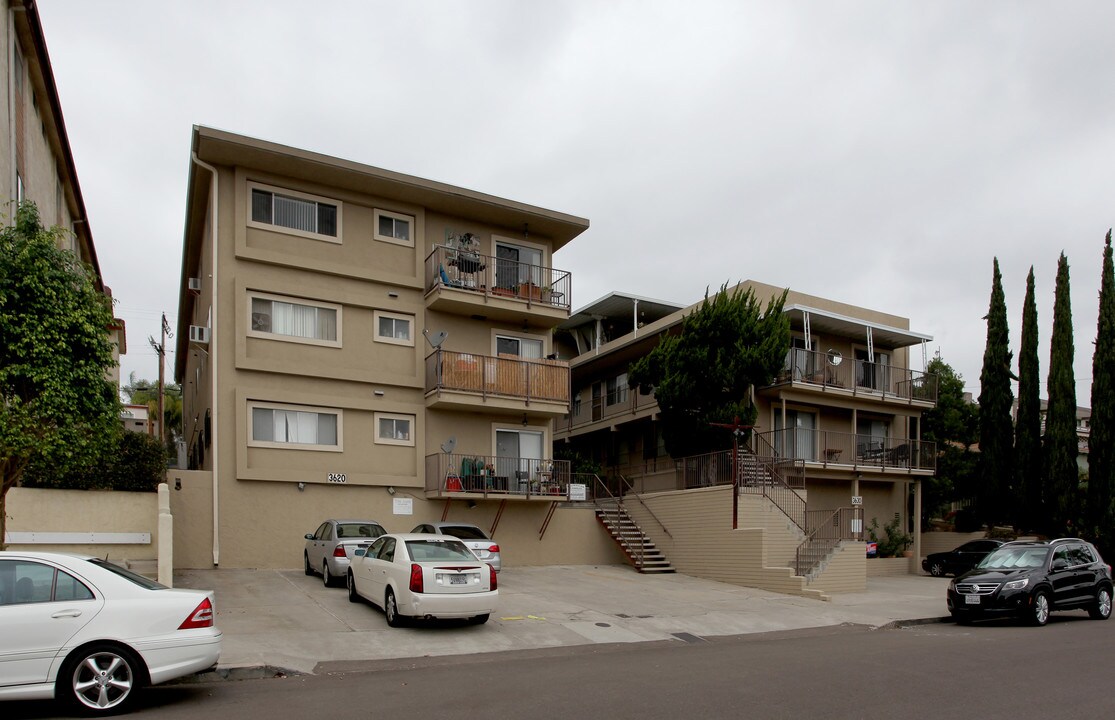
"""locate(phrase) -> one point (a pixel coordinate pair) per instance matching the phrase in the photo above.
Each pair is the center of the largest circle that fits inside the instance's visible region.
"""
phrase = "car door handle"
(66, 614)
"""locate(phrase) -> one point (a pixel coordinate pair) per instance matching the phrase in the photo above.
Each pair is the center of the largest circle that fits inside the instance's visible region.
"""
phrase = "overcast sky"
(875, 153)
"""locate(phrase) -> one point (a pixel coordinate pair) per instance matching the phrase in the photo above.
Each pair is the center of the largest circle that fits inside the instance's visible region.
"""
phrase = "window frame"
(380, 440)
(297, 195)
(275, 445)
(377, 213)
(290, 300)
(378, 314)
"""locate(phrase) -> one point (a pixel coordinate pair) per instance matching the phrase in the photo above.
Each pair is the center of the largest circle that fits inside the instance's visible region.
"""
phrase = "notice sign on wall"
(403, 506)
(577, 491)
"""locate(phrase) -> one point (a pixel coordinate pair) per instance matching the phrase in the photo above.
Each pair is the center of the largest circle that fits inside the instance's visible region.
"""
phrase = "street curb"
(913, 622)
(236, 672)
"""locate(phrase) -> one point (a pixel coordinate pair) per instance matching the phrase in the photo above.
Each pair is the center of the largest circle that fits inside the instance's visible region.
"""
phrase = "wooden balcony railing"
(494, 276)
(504, 376)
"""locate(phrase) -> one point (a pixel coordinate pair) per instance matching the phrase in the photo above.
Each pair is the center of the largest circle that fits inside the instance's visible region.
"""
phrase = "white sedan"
(423, 576)
(90, 633)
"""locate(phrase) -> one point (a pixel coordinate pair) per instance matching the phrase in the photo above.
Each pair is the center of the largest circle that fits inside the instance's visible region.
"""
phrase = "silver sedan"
(330, 548)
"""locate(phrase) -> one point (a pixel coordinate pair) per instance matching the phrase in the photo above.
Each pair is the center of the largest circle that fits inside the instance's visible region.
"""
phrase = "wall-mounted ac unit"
(199, 334)
(194, 285)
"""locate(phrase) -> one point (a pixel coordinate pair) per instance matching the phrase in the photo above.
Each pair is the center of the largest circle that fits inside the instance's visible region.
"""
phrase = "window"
(394, 429)
(616, 390)
(394, 328)
(295, 427)
(304, 214)
(527, 348)
(24, 582)
(394, 228)
(316, 323)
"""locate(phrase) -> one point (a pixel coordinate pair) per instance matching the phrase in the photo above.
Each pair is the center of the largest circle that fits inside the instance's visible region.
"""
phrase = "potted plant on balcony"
(467, 256)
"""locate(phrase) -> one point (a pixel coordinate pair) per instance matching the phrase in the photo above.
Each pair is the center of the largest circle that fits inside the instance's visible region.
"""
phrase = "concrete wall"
(80, 511)
(702, 542)
(846, 571)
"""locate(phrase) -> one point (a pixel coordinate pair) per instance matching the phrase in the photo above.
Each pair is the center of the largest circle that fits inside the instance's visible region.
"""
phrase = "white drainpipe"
(216, 434)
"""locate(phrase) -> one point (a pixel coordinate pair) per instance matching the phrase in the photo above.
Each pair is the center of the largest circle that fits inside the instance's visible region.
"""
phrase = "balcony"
(468, 283)
(469, 381)
(627, 405)
(469, 477)
(853, 451)
(822, 372)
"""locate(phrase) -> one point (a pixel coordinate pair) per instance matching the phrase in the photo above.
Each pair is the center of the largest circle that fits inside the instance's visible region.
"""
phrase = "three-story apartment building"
(355, 342)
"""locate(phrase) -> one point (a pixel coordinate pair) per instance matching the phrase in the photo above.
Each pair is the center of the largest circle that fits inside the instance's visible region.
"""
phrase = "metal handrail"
(855, 450)
(448, 473)
(825, 530)
(858, 377)
(466, 269)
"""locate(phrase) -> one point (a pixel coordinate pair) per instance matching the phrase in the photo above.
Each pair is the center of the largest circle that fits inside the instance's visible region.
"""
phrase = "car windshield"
(359, 530)
(464, 532)
(438, 550)
(1006, 558)
(127, 574)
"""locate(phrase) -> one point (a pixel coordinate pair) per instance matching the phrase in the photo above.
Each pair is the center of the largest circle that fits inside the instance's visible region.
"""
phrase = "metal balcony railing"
(859, 377)
(853, 449)
(625, 401)
(498, 277)
(545, 380)
(450, 473)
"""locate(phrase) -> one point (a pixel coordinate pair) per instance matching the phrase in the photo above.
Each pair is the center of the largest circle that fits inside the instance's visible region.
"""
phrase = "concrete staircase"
(639, 549)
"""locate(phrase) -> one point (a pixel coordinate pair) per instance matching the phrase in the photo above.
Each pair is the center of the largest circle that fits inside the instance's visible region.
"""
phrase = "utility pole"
(160, 350)
(738, 431)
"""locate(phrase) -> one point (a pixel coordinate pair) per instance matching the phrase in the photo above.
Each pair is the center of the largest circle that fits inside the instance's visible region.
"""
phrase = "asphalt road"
(996, 670)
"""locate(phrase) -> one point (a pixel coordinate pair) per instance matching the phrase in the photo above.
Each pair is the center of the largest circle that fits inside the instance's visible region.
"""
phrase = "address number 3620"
(336, 477)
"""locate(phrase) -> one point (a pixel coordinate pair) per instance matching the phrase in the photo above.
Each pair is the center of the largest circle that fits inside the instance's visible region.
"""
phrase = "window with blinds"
(299, 321)
(298, 212)
(293, 427)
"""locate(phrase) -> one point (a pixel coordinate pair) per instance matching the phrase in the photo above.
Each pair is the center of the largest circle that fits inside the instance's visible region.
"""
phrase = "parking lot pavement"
(284, 620)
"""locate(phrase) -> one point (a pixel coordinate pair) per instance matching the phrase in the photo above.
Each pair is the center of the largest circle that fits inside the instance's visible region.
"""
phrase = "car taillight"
(494, 548)
(201, 617)
(339, 551)
(492, 576)
(416, 578)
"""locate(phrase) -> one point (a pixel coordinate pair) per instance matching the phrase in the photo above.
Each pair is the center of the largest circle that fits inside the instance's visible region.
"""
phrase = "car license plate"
(971, 599)
(458, 579)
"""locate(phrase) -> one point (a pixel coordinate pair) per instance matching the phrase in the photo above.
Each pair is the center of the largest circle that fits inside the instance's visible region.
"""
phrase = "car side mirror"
(309, 536)
(1060, 564)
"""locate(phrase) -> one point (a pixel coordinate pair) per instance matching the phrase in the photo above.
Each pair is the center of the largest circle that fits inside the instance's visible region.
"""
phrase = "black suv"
(1029, 579)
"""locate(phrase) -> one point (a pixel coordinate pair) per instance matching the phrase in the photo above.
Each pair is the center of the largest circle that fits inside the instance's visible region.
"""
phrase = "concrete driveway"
(285, 621)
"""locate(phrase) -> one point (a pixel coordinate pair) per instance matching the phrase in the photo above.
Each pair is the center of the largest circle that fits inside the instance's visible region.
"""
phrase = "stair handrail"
(786, 499)
(631, 487)
(836, 521)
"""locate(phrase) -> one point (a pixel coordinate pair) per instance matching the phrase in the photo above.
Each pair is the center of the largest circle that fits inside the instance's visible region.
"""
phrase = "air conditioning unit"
(194, 285)
(199, 334)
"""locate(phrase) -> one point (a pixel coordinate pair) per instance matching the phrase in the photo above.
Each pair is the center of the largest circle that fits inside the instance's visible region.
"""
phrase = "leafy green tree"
(133, 461)
(953, 425)
(1061, 470)
(146, 392)
(55, 353)
(1027, 425)
(995, 401)
(1100, 514)
(705, 372)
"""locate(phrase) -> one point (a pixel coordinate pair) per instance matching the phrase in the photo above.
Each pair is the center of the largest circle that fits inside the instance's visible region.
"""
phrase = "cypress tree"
(1100, 516)
(1027, 424)
(1062, 476)
(995, 401)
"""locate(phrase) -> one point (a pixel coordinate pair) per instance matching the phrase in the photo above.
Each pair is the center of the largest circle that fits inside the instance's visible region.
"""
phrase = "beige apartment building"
(840, 425)
(35, 161)
(358, 343)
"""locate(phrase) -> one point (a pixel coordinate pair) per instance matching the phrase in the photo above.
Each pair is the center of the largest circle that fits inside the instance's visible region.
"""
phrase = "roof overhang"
(846, 326)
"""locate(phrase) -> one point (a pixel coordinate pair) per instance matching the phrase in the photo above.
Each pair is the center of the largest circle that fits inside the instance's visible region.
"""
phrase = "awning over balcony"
(845, 326)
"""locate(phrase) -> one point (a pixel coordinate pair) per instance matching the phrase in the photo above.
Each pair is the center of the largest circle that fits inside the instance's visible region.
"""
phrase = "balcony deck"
(506, 382)
(817, 372)
(458, 476)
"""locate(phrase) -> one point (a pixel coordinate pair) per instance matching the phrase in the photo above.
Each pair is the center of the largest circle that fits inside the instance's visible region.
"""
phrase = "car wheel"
(1039, 609)
(1101, 610)
(937, 569)
(306, 560)
(325, 576)
(353, 596)
(101, 679)
(391, 610)
(478, 620)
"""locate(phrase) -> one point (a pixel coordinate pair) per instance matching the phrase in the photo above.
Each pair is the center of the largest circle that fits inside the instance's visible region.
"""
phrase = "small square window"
(394, 228)
(394, 328)
(394, 429)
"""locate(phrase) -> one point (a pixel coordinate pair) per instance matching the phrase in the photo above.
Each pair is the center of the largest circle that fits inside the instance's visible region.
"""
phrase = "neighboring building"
(841, 421)
(1083, 430)
(355, 342)
(134, 418)
(35, 162)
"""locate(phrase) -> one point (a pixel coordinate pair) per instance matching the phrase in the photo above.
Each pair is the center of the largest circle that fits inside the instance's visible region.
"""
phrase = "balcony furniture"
(832, 454)
(870, 452)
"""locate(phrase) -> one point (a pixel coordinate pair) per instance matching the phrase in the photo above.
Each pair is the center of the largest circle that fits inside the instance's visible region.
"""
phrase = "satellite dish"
(435, 339)
(449, 445)
(834, 357)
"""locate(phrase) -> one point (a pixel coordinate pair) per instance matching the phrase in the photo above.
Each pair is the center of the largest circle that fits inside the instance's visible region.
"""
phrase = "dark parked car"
(960, 560)
(1027, 580)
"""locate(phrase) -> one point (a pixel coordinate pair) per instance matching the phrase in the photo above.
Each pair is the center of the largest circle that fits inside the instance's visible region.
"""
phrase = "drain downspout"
(216, 435)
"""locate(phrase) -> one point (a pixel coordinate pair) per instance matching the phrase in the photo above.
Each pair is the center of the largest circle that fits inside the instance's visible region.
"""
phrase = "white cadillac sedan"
(90, 633)
(423, 576)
